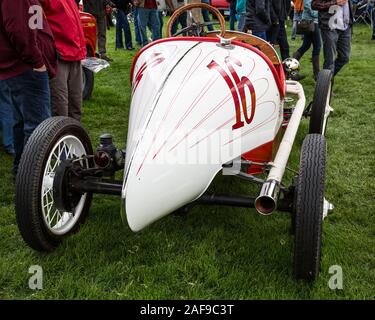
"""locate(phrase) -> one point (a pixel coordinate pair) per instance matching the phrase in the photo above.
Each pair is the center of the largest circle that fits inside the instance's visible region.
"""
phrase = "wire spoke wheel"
(54, 142)
(67, 148)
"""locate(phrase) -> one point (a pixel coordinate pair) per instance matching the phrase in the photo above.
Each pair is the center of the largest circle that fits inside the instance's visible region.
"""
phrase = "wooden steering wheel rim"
(196, 6)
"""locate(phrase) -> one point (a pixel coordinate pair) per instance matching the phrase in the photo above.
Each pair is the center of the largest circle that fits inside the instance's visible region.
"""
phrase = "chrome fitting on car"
(266, 202)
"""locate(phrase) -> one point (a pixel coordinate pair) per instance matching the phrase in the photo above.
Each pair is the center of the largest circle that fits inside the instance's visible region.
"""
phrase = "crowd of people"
(42, 45)
(40, 61)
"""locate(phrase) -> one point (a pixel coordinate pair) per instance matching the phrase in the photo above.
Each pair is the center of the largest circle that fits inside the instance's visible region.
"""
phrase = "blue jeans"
(232, 12)
(123, 25)
(182, 20)
(161, 22)
(241, 21)
(261, 34)
(336, 48)
(136, 26)
(373, 20)
(313, 39)
(30, 95)
(6, 117)
(206, 16)
(160, 17)
(148, 17)
(296, 17)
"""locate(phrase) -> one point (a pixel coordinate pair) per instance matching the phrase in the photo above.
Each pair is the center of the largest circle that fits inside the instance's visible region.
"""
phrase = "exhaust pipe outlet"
(266, 202)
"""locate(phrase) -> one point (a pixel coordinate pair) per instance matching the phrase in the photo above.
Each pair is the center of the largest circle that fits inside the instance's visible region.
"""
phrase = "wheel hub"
(65, 200)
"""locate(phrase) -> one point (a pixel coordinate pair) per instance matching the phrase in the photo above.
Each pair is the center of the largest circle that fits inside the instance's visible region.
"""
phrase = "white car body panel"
(181, 133)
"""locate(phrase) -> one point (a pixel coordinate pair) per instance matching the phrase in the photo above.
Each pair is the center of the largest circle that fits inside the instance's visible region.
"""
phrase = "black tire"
(293, 213)
(28, 198)
(322, 96)
(309, 208)
(88, 83)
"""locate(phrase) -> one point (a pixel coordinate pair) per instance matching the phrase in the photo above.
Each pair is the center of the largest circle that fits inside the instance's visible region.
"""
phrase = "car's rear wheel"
(41, 224)
(87, 78)
(88, 83)
(321, 102)
(309, 208)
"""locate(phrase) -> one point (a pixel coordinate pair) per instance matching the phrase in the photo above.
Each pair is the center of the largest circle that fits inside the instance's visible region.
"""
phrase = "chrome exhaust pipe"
(266, 202)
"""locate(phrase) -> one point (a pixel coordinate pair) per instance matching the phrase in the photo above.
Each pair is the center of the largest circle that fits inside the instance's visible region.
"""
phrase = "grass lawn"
(213, 252)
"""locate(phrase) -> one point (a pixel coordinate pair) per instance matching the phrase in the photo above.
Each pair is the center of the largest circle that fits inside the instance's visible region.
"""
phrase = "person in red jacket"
(27, 60)
(66, 88)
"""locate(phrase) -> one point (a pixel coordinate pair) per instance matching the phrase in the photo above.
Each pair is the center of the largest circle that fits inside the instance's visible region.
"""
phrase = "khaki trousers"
(66, 90)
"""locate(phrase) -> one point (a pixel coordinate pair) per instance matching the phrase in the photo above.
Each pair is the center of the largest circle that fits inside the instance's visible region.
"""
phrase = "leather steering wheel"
(196, 27)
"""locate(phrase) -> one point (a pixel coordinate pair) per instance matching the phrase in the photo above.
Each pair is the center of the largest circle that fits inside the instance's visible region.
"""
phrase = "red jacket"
(21, 47)
(65, 22)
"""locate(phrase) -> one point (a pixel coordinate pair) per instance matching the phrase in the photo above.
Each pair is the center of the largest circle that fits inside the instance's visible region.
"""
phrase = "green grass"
(214, 252)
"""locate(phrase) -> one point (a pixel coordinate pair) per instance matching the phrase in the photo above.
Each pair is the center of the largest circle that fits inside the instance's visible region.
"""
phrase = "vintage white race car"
(202, 103)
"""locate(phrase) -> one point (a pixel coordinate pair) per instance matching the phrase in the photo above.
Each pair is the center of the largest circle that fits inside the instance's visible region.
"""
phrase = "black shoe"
(129, 49)
(297, 76)
(106, 58)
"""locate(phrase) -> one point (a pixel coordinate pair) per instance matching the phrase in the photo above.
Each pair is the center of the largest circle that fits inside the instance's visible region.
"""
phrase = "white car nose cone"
(202, 112)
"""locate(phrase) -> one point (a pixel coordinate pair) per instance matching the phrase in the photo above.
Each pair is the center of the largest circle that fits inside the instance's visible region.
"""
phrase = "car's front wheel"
(55, 141)
(309, 206)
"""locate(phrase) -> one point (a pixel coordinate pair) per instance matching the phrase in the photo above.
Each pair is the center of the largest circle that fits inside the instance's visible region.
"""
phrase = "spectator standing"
(232, 14)
(336, 36)
(241, 11)
(206, 16)
(136, 26)
(66, 88)
(6, 119)
(310, 38)
(161, 22)
(258, 17)
(297, 16)
(273, 31)
(98, 9)
(148, 16)
(282, 38)
(27, 60)
(123, 9)
(172, 4)
(182, 19)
